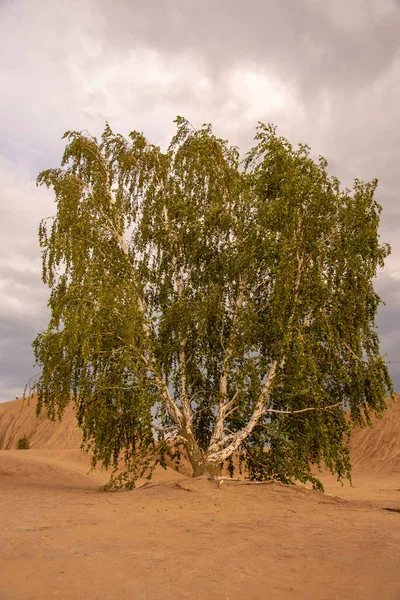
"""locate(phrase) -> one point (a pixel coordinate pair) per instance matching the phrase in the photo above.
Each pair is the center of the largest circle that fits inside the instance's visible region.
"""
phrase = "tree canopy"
(210, 304)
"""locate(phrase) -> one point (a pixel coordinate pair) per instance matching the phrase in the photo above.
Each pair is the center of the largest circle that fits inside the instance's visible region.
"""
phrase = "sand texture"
(177, 537)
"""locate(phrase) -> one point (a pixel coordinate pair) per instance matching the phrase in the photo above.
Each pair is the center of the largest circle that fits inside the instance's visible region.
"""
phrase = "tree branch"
(217, 455)
(224, 405)
(295, 412)
(187, 413)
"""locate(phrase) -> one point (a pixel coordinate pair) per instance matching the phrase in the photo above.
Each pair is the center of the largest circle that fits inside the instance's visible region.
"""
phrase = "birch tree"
(201, 302)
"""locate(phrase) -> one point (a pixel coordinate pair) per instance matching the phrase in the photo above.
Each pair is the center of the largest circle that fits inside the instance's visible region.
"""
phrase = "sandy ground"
(182, 538)
(176, 537)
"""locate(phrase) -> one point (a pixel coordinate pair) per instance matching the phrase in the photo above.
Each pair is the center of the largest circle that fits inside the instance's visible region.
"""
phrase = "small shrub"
(23, 443)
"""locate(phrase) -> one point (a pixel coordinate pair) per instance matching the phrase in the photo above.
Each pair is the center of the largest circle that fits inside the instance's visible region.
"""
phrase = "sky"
(326, 73)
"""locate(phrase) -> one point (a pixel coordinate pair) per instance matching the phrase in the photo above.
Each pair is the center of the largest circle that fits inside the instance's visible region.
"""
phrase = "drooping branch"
(170, 404)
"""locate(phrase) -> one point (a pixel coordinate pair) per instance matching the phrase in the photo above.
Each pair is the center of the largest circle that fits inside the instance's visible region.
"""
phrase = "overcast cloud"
(326, 73)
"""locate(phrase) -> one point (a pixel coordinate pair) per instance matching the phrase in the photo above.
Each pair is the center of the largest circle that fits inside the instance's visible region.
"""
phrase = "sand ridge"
(372, 449)
(18, 418)
(377, 450)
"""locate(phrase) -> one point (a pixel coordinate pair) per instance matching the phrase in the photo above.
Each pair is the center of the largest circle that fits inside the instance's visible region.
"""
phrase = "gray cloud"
(330, 46)
(325, 72)
(389, 323)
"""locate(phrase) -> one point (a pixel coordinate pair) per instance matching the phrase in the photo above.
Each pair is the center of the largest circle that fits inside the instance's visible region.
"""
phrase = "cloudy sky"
(326, 73)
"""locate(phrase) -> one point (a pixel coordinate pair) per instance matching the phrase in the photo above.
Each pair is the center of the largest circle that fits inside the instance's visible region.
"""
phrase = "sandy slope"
(18, 418)
(372, 450)
(377, 450)
(177, 537)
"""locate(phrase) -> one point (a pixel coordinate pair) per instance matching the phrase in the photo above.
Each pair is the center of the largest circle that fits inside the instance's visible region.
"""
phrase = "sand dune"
(377, 450)
(182, 538)
(18, 418)
(374, 450)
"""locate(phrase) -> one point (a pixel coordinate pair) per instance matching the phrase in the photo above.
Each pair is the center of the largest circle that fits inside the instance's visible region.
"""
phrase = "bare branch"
(165, 429)
(295, 412)
(196, 394)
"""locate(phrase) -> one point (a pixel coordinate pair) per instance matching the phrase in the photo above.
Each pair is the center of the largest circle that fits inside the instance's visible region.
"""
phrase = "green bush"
(23, 443)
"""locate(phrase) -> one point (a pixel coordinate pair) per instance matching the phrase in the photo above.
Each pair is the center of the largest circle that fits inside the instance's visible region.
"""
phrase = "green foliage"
(190, 292)
(23, 443)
